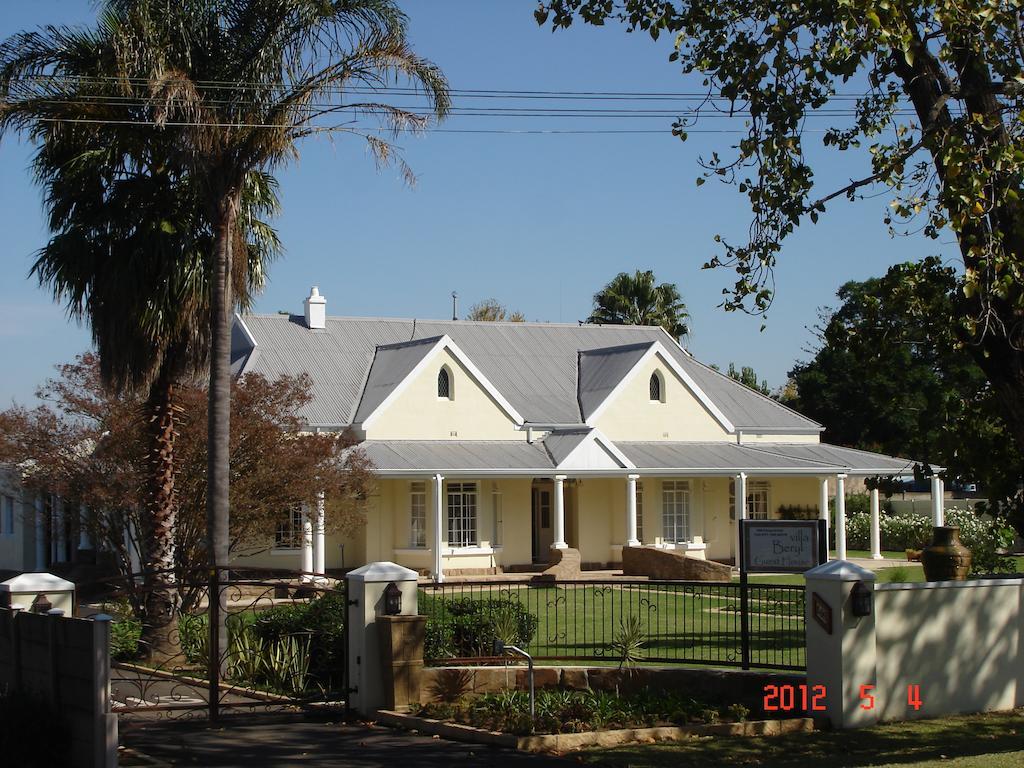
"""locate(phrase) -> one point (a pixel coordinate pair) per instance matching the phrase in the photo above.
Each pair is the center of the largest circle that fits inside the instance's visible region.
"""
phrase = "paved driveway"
(272, 741)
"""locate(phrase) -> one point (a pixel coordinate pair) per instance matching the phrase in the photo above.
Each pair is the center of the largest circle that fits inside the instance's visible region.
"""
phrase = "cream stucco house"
(495, 443)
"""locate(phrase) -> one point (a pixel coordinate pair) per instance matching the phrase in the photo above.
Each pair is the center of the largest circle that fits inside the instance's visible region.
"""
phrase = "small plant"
(737, 712)
(287, 664)
(629, 642)
(247, 658)
(899, 574)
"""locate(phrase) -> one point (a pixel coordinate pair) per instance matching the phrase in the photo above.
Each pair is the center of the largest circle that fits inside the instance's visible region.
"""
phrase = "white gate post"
(841, 653)
(365, 594)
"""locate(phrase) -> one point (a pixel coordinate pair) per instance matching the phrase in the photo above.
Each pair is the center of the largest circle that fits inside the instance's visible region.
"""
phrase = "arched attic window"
(445, 390)
(657, 388)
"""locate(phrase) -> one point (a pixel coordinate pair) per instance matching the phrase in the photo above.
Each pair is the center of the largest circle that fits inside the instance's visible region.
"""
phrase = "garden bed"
(566, 742)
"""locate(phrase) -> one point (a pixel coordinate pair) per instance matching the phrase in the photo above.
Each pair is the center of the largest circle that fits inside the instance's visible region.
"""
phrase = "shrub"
(124, 638)
(561, 711)
(465, 628)
(320, 623)
(985, 538)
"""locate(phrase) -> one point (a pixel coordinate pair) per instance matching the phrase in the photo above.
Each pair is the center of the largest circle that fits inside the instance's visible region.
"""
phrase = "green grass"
(994, 740)
(866, 554)
(696, 625)
(911, 572)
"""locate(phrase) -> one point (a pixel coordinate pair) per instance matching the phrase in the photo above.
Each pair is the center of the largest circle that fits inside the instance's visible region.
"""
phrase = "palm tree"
(636, 300)
(128, 251)
(231, 86)
(236, 84)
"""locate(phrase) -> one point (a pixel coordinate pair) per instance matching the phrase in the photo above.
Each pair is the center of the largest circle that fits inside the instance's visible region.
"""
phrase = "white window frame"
(461, 506)
(289, 542)
(675, 511)
(758, 500)
(418, 514)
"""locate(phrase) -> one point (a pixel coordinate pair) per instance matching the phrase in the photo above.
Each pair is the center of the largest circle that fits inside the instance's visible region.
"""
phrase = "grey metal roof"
(693, 458)
(853, 460)
(562, 442)
(448, 456)
(533, 365)
(714, 457)
(390, 366)
(602, 369)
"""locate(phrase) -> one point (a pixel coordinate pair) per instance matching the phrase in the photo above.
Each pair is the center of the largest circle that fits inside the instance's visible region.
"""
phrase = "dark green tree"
(934, 92)
(890, 375)
(638, 299)
(748, 377)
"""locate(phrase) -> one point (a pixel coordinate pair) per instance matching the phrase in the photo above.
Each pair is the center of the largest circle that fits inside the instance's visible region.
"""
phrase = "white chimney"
(316, 309)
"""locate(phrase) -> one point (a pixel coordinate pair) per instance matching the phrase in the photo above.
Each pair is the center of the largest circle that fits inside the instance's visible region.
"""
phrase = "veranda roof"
(519, 457)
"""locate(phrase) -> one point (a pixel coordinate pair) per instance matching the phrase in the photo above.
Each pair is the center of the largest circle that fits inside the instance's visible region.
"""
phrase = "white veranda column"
(823, 510)
(938, 514)
(40, 534)
(841, 516)
(876, 534)
(84, 539)
(740, 501)
(60, 548)
(436, 531)
(559, 532)
(319, 537)
(631, 538)
(307, 544)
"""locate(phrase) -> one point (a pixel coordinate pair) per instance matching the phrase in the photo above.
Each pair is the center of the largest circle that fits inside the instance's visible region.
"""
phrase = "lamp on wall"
(392, 600)
(860, 600)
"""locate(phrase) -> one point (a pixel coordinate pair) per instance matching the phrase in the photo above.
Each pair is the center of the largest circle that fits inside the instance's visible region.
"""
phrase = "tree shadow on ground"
(895, 743)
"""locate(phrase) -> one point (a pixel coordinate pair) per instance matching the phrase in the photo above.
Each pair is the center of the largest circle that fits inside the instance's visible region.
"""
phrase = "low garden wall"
(734, 686)
(55, 676)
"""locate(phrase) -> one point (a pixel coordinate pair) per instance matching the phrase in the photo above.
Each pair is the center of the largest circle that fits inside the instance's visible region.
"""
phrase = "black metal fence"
(609, 621)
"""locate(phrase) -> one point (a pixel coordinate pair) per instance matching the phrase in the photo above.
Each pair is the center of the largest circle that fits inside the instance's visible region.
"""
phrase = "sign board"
(781, 546)
(822, 612)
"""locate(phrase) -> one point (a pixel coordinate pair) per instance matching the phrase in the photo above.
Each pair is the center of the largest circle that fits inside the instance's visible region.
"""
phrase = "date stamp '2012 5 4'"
(812, 698)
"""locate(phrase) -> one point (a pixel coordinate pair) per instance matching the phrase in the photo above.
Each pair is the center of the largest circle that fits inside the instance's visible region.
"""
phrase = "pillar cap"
(37, 582)
(384, 571)
(839, 570)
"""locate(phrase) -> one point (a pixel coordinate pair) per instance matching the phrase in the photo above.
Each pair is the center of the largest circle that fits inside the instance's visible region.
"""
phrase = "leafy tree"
(953, 161)
(492, 310)
(637, 300)
(87, 444)
(889, 375)
(747, 377)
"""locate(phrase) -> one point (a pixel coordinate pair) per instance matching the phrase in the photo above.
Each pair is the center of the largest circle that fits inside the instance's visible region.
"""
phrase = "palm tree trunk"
(219, 423)
(162, 506)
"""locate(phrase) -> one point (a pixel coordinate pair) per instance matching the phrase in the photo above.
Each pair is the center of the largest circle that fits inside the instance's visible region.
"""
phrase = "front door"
(543, 534)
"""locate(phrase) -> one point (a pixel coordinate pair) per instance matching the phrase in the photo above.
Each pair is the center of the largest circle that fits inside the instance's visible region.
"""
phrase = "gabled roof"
(575, 449)
(400, 364)
(534, 366)
(391, 366)
(602, 370)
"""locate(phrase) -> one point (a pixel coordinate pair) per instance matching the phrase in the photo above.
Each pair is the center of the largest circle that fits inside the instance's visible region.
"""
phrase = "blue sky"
(539, 222)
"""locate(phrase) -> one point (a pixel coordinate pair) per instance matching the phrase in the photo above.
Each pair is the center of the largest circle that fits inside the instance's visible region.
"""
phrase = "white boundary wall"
(956, 645)
(960, 641)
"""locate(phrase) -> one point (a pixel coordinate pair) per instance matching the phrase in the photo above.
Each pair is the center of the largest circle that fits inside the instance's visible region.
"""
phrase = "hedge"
(465, 628)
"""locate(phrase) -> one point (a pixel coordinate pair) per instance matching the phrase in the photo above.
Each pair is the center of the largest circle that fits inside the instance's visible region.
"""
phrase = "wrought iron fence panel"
(286, 649)
(676, 621)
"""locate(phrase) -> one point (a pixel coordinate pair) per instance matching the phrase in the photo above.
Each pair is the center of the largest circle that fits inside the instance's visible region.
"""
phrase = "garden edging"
(565, 742)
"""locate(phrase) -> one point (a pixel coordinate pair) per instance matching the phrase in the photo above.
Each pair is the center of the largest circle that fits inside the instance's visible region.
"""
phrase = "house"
(497, 443)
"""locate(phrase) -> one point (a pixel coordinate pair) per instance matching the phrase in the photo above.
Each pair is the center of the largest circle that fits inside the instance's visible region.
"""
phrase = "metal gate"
(281, 647)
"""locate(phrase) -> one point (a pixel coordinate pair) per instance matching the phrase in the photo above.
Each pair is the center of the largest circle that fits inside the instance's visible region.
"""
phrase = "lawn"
(994, 740)
(679, 623)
